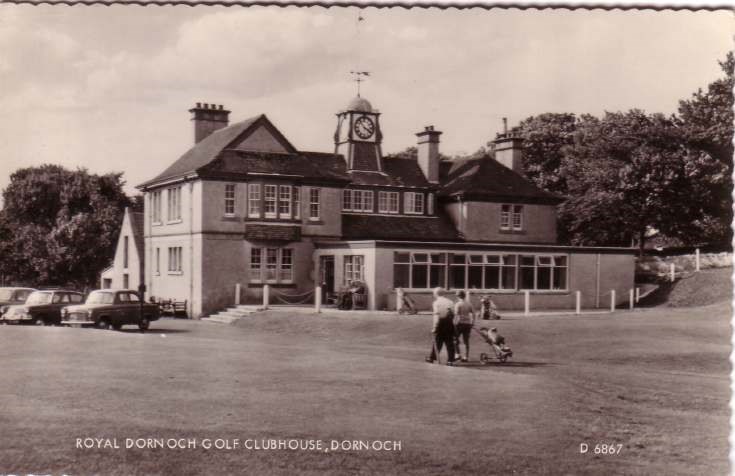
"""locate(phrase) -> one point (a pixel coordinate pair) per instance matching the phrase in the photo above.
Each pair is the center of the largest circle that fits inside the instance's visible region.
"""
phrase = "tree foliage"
(60, 227)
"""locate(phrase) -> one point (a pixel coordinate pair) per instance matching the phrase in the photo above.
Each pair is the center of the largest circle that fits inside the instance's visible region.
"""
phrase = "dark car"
(11, 296)
(42, 308)
(111, 309)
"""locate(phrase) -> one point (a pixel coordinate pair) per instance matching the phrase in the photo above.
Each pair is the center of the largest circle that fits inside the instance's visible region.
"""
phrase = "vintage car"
(42, 308)
(111, 309)
(11, 296)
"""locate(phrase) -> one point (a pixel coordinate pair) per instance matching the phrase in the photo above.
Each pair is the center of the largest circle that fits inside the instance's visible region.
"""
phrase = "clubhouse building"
(244, 207)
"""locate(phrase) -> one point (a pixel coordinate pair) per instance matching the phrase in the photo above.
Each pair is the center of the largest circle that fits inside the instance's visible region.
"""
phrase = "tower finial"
(359, 78)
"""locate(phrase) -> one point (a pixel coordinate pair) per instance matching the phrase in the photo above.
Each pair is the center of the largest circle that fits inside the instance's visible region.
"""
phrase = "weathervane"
(359, 78)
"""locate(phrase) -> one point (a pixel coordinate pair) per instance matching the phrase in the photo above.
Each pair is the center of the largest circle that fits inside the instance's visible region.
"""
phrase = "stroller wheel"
(483, 358)
(503, 358)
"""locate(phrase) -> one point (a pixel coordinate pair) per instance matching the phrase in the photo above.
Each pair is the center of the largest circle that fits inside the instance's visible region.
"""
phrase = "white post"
(637, 295)
(266, 297)
(527, 302)
(696, 254)
(673, 272)
(632, 299)
(318, 299)
(467, 297)
(612, 300)
(237, 294)
(579, 301)
(399, 299)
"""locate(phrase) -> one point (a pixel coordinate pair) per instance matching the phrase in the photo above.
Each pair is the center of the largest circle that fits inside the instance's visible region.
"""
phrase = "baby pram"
(501, 351)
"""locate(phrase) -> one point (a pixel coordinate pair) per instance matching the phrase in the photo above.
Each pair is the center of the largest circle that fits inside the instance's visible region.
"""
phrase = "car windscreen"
(101, 297)
(39, 298)
(6, 294)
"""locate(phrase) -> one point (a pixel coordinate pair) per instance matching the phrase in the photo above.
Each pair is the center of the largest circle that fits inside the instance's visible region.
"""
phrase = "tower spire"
(359, 75)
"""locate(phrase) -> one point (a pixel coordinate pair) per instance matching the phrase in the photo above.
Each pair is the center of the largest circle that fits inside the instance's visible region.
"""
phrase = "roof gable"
(206, 150)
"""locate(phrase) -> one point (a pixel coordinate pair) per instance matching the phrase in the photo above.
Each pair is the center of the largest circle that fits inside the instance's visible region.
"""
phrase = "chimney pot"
(207, 123)
(221, 107)
(199, 105)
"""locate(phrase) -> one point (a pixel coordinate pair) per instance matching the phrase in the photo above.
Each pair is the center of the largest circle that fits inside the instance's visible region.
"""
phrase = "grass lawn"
(654, 381)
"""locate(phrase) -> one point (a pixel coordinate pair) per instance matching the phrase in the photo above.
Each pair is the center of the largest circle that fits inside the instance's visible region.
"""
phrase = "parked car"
(42, 308)
(111, 309)
(11, 296)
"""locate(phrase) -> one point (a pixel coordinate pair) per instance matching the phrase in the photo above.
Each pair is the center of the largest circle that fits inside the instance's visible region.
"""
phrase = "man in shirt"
(442, 329)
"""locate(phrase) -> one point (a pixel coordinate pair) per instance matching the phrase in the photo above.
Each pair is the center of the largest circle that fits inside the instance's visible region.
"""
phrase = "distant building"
(127, 270)
(243, 205)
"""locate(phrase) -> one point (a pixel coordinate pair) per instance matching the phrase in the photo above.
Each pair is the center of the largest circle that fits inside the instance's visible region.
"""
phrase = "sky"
(109, 88)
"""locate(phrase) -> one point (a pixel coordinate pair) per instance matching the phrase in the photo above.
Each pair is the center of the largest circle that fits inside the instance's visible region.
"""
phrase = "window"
(285, 272)
(297, 203)
(430, 204)
(357, 201)
(354, 266)
(174, 204)
(269, 201)
(483, 271)
(419, 270)
(254, 200)
(511, 217)
(314, 207)
(174, 259)
(388, 202)
(278, 266)
(76, 298)
(158, 260)
(156, 206)
(367, 201)
(125, 252)
(256, 263)
(284, 201)
(230, 200)
(132, 297)
(347, 200)
(413, 203)
(543, 272)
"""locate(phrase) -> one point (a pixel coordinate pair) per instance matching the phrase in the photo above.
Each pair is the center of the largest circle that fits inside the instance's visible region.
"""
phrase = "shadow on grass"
(154, 331)
(499, 365)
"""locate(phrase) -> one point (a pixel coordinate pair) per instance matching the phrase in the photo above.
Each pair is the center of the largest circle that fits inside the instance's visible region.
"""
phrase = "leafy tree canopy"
(60, 227)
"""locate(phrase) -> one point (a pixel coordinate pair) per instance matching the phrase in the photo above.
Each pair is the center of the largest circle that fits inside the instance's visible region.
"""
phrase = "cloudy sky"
(108, 88)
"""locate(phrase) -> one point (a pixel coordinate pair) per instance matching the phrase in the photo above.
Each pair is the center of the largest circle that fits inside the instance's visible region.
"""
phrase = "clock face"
(364, 127)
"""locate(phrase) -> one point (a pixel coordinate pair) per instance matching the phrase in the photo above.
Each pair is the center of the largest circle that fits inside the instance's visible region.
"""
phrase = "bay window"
(269, 201)
(284, 201)
(254, 200)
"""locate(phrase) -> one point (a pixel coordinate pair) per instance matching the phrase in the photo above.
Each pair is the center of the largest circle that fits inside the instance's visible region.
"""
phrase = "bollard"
(632, 299)
(637, 295)
(318, 299)
(399, 299)
(467, 297)
(673, 272)
(579, 301)
(527, 302)
(696, 255)
(237, 294)
(612, 300)
(266, 297)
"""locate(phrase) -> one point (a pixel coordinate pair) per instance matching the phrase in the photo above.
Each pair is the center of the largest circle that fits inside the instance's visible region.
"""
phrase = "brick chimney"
(207, 119)
(428, 153)
(508, 148)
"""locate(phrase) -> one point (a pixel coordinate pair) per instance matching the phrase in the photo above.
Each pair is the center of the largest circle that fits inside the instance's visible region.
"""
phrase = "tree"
(629, 172)
(64, 224)
(706, 120)
(544, 138)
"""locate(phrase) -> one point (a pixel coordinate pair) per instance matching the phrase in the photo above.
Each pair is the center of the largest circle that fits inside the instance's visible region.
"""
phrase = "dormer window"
(511, 217)
(387, 202)
(357, 201)
(413, 203)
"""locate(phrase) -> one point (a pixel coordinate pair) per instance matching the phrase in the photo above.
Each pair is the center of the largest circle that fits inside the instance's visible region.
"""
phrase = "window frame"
(270, 200)
(230, 199)
(255, 200)
(314, 204)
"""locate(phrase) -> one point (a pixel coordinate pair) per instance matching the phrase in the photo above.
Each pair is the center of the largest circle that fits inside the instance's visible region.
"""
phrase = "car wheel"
(39, 322)
(104, 325)
(144, 324)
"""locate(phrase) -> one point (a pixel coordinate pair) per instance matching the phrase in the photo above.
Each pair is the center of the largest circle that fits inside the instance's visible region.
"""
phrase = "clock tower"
(358, 136)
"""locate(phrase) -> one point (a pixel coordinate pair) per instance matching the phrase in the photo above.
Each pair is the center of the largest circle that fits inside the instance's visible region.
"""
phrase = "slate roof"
(382, 227)
(398, 173)
(234, 163)
(486, 179)
(204, 151)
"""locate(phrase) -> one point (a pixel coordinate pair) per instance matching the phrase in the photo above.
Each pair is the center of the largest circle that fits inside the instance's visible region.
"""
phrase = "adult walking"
(464, 319)
(442, 329)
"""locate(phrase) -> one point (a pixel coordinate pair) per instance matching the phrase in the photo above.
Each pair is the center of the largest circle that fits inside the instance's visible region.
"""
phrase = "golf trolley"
(500, 351)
